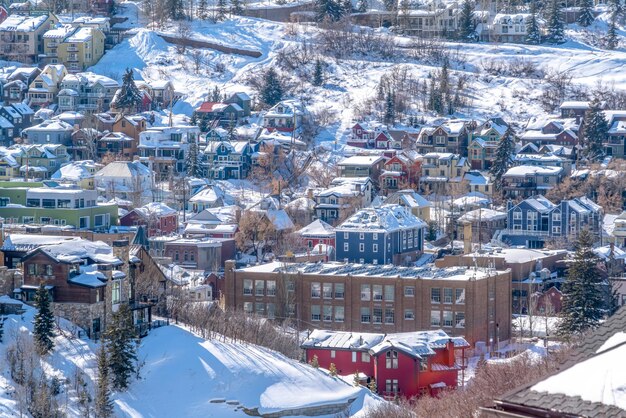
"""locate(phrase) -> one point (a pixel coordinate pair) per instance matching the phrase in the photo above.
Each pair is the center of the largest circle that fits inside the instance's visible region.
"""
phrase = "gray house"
(389, 234)
(49, 132)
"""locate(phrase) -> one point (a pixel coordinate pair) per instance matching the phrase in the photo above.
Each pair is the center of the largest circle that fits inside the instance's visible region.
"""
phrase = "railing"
(528, 232)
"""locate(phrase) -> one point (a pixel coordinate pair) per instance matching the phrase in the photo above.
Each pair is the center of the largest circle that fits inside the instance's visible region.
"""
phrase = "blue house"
(227, 159)
(389, 234)
(536, 220)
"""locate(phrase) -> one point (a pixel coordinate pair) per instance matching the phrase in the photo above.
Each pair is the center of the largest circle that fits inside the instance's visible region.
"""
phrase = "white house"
(126, 180)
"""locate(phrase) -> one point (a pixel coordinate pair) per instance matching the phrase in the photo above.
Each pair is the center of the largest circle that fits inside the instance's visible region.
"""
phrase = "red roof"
(208, 106)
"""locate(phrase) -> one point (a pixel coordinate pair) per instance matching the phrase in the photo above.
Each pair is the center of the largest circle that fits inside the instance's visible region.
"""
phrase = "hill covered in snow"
(182, 375)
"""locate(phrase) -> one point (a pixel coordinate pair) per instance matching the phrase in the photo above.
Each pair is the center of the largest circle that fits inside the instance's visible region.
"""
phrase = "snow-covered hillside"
(185, 376)
(349, 81)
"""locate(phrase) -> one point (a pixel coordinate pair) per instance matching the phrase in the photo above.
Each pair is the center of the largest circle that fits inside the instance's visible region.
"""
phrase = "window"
(32, 269)
(259, 287)
(375, 236)
(248, 307)
(45, 220)
(391, 386)
(365, 292)
(328, 290)
(447, 295)
(375, 248)
(459, 320)
(409, 291)
(32, 203)
(389, 316)
(345, 235)
(423, 365)
(447, 318)
(247, 287)
(339, 290)
(391, 359)
(517, 215)
(116, 291)
(328, 313)
(390, 291)
(435, 295)
(84, 222)
(339, 313)
(409, 315)
(365, 357)
(361, 236)
(64, 203)
(556, 229)
(49, 270)
(377, 317)
(365, 315)
(377, 291)
(333, 354)
(361, 247)
(459, 296)
(316, 313)
(28, 219)
(354, 356)
(345, 246)
(315, 290)
(271, 288)
(48, 203)
(259, 308)
(435, 318)
(556, 217)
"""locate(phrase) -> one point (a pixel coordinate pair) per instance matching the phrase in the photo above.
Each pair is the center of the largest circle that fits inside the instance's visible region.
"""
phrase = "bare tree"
(255, 230)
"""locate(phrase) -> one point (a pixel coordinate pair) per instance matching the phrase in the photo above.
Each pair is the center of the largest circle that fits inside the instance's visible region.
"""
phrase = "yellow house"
(43, 90)
(51, 41)
(81, 49)
(21, 36)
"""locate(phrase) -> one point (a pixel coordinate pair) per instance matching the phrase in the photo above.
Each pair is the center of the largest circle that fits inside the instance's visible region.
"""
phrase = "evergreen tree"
(390, 109)
(533, 34)
(612, 41)
(346, 7)
(466, 22)
(192, 160)
(583, 294)
(128, 97)
(503, 158)
(435, 98)
(216, 95)
(586, 17)
(616, 7)
(236, 7)
(332, 369)
(272, 90)
(556, 33)
(595, 132)
(103, 403)
(220, 8)
(318, 73)
(361, 6)
(328, 9)
(202, 11)
(175, 9)
(43, 329)
(2, 318)
(121, 349)
(390, 5)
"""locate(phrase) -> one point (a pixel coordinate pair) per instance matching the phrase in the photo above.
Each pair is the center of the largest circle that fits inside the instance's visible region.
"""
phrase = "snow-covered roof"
(416, 344)
(578, 105)
(22, 23)
(76, 171)
(124, 169)
(532, 170)
(472, 199)
(386, 218)
(83, 34)
(317, 228)
(280, 219)
(50, 125)
(482, 214)
(361, 160)
(409, 198)
(27, 242)
(77, 250)
(209, 194)
(155, 208)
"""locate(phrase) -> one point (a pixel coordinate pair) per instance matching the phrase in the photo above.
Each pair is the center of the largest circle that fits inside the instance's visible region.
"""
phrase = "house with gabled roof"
(285, 116)
(156, 217)
(528, 180)
(406, 364)
(439, 168)
(21, 36)
(401, 170)
(43, 90)
(552, 132)
(228, 159)
(483, 142)
(410, 199)
(342, 197)
(448, 137)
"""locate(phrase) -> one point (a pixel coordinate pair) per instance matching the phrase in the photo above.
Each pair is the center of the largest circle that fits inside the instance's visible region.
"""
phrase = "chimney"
(467, 237)
(120, 249)
(450, 353)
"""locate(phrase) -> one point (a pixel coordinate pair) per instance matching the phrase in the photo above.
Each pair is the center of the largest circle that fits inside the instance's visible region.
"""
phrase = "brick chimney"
(450, 353)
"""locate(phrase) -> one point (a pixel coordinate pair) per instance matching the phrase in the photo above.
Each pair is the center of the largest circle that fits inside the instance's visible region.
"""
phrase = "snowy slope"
(182, 374)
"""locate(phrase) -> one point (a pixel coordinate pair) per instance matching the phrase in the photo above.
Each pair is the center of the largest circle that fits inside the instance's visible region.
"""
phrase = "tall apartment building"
(471, 302)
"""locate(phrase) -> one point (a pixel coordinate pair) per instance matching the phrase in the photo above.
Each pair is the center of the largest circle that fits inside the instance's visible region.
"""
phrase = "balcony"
(72, 49)
(521, 232)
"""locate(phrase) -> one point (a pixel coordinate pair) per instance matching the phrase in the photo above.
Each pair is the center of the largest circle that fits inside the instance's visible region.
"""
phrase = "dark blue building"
(389, 234)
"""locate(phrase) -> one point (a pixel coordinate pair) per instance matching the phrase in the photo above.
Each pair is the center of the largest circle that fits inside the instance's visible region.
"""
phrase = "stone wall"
(9, 280)
(81, 314)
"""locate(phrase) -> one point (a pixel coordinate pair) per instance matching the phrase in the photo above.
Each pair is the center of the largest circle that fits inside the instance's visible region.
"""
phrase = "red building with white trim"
(404, 364)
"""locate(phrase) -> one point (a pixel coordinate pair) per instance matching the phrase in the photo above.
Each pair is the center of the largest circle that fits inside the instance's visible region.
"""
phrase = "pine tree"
(372, 385)
(103, 403)
(202, 11)
(361, 6)
(236, 8)
(612, 40)
(390, 109)
(466, 22)
(435, 98)
(220, 10)
(175, 9)
(533, 34)
(616, 6)
(332, 369)
(128, 97)
(328, 9)
(556, 33)
(583, 293)
(2, 318)
(43, 329)
(216, 95)
(346, 7)
(586, 17)
(503, 158)
(121, 349)
(595, 132)
(271, 91)
(318, 73)
(192, 160)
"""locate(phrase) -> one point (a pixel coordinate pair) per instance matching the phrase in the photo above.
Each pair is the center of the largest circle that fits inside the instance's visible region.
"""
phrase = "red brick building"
(159, 219)
(405, 364)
